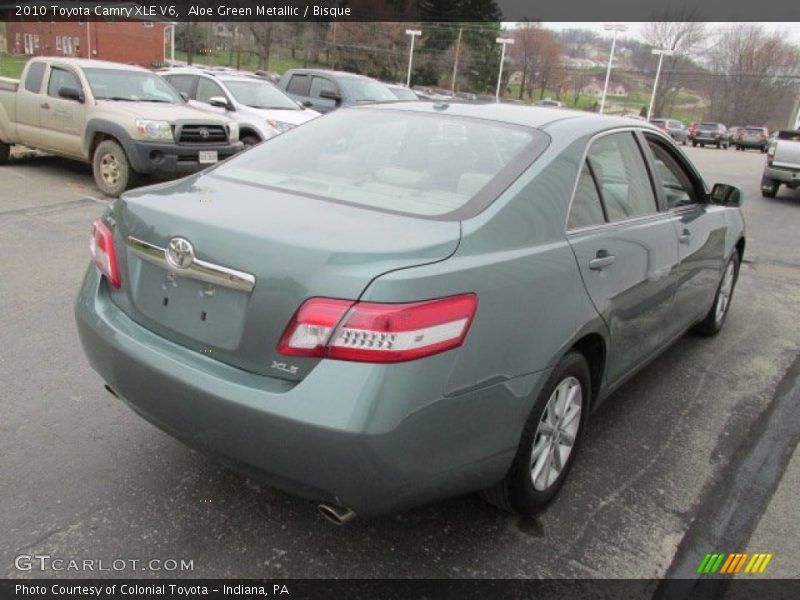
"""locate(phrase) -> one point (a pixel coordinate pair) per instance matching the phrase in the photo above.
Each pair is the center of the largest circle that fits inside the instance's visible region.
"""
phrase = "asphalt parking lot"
(84, 477)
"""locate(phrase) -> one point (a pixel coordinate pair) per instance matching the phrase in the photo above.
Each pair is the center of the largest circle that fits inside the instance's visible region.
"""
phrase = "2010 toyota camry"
(404, 302)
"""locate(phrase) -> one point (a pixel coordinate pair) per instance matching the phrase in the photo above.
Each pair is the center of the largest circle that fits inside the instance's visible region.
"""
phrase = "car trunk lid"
(293, 246)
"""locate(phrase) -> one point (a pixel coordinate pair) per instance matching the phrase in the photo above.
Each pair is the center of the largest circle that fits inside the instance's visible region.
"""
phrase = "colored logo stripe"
(729, 564)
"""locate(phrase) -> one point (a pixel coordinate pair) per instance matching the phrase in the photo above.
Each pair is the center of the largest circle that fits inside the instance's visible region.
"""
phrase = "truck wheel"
(769, 187)
(250, 140)
(112, 171)
(5, 152)
(549, 441)
(694, 144)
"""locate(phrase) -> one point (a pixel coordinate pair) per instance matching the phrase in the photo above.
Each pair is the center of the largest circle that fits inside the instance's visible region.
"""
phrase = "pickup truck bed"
(783, 163)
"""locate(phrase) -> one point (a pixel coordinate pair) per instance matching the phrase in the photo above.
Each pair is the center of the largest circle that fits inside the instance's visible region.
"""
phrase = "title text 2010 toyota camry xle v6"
(399, 303)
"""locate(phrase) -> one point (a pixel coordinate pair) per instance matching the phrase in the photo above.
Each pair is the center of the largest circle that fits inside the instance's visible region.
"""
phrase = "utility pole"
(455, 63)
(504, 42)
(616, 29)
(661, 53)
(413, 33)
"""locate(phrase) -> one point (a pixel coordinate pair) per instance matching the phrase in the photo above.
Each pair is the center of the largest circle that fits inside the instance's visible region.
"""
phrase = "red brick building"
(131, 42)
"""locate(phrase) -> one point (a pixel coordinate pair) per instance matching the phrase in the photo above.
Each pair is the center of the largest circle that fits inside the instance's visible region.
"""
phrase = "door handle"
(45, 106)
(603, 260)
(685, 237)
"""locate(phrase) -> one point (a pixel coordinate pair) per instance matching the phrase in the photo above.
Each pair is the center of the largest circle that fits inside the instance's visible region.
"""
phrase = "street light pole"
(661, 54)
(616, 29)
(503, 42)
(413, 33)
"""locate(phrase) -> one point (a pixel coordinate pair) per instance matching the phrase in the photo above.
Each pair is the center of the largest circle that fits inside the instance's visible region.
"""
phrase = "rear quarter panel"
(8, 112)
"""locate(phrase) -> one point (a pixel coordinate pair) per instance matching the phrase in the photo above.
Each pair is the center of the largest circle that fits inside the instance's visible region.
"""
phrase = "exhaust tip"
(338, 515)
(110, 390)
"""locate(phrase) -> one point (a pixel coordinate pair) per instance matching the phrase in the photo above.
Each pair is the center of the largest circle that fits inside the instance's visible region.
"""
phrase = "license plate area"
(209, 314)
(207, 157)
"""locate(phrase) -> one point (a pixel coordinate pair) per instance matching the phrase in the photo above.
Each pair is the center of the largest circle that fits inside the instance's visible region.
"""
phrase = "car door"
(319, 86)
(63, 120)
(626, 248)
(699, 225)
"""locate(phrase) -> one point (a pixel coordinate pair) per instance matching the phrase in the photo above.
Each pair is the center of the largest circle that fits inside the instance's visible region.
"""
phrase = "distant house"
(593, 88)
(617, 90)
(515, 78)
(131, 42)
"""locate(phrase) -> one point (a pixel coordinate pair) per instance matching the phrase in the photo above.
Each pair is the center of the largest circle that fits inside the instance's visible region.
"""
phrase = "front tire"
(549, 441)
(112, 171)
(715, 319)
(5, 153)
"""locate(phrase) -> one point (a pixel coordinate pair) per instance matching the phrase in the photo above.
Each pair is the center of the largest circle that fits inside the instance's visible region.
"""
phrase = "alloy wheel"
(725, 291)
(109, 169)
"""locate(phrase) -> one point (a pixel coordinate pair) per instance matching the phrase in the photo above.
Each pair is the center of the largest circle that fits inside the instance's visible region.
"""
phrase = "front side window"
(676, 182)
(60, 78)
(207, 89)
(320, 84)
(619, 169)
(401, 161)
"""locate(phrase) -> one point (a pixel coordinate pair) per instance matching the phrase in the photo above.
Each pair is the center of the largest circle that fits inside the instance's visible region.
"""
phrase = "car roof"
(218, 75)
(331, 72)
(538, 117)
(87, 63)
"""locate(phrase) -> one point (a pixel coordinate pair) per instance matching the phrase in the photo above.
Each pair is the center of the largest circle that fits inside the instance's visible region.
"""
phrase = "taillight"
(377, 332)
(101, 248)
(771, 151)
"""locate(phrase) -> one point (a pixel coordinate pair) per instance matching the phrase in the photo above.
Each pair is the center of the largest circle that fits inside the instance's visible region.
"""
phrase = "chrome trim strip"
(199, 269)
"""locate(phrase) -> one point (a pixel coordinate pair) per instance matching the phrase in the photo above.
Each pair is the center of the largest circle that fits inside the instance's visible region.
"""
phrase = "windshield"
(401, 161)
(366, 90)
(134, 86)
(260, 94)
(402, 93)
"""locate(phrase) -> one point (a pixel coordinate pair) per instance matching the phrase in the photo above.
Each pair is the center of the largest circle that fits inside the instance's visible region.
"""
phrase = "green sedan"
(404, 302)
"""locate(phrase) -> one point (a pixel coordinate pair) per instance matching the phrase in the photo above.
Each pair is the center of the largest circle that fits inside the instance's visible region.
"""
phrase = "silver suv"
(260, 108)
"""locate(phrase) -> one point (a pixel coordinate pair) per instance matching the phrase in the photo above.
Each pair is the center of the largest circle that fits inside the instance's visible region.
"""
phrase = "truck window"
(58, 79)
(299, 85)
(33, 80)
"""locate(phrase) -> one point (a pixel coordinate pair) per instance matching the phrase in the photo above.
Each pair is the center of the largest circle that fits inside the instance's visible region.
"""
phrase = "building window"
(76, 43)
(148, 24)
(58, 42)
(35, 41)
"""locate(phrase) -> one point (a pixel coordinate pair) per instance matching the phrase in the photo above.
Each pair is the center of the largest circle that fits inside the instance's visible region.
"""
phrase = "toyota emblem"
(204, 133)
(180, 254)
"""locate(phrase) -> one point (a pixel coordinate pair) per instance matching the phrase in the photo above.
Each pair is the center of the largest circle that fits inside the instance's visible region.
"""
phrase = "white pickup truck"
(122, 119)
(783, 163)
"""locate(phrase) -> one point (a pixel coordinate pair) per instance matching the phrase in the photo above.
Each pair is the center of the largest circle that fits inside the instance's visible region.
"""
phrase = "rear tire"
(112, 171)
(769, 187)
(719, 145)
(5, 152)
(694, 144)
(715, 319)
(550, 440)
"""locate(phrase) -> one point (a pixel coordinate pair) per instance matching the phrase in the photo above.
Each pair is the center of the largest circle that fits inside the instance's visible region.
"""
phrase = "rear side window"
(60, 78)
(401, 161)
(586, 209)
(619, 169)
(33, 80)
(299, 84)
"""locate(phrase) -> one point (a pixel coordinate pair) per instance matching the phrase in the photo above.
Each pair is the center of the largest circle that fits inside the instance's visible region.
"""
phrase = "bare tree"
(752, 73)
(682, 38)
(263, 35)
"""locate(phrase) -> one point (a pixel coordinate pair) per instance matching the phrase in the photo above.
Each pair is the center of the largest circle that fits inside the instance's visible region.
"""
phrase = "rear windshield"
(788, 134)
(709, 125)
(755, 130)
(401, 161)
(259, 94)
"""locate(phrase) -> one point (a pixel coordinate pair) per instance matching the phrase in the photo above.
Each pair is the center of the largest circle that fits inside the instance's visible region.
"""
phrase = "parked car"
(402, 92)
(753, 137)
(122, 119)
(325, 90)
(673, 128)
(371, 313)
(783, 163)
(550, 102)
(711, 133)
(260, 108)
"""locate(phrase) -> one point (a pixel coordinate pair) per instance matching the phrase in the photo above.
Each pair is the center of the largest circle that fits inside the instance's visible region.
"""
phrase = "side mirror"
(220, 102)
(70, 92)
(306, 103)
(330, 95)
(726, 195)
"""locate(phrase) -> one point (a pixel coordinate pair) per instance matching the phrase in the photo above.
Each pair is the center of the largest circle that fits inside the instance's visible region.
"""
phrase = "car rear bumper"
(160, 159)
(752, 143)
(790, 177)
(348, 433)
